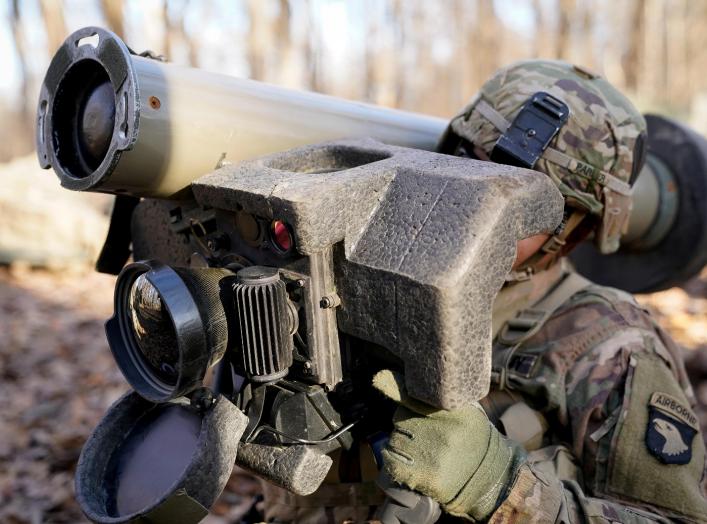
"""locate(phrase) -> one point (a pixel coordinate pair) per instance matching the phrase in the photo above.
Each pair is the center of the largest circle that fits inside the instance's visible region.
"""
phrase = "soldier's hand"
(455, 457)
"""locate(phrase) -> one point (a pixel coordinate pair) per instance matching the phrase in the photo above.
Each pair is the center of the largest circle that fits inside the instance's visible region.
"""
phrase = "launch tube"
(116, 122)
(111, 121)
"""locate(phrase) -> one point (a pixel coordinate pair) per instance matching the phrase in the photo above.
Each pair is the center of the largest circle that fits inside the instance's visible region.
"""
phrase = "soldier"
(590, 417)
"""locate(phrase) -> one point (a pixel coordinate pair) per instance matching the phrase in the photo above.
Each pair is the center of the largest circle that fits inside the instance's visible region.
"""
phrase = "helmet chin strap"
(551, 251)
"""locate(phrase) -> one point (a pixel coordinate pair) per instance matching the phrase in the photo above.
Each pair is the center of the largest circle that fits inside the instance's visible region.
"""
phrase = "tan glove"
(455, 457)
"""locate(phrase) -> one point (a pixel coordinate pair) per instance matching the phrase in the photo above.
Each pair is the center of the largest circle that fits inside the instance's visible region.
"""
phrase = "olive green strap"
(489, 113)
(586, 171)
(528, 322)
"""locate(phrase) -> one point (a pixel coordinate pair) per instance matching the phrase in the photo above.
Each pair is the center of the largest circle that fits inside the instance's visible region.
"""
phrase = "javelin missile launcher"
(274, 274)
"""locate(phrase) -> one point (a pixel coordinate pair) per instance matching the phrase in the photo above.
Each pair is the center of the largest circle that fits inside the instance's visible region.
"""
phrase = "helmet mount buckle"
(532, 130)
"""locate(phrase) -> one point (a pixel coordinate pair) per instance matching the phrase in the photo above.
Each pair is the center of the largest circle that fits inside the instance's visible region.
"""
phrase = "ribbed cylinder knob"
(265, 323)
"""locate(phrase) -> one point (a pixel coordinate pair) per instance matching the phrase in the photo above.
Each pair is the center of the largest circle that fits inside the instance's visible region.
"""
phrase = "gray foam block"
(152, 236)
(299, 469)
(422, 244)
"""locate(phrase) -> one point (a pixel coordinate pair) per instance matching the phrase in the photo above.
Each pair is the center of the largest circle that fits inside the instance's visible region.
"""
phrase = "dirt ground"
(57, 378)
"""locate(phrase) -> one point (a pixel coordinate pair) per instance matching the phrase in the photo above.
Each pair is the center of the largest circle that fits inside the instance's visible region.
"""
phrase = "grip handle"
(404, 506)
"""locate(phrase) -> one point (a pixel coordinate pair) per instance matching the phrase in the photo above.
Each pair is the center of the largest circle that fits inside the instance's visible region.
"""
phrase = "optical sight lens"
(153, 330)
(169, 326)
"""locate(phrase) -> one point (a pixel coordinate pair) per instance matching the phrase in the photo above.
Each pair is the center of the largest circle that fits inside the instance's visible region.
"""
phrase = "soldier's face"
(481, 154)
(528, 247)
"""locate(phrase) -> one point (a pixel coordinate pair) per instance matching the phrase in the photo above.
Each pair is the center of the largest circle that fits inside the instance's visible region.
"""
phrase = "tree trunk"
(399, 82)
(314, 42)
(463, 50)
(633, 58)
(22, 131)
(20, 40)
(370, 77)
(175, 31)
(283, 36)
(486, 40)
(566, 9)
(167, 44)
(541, 42)
(256, 40)
(587, 38)
(114, 11)
(697, 46)
(54, 24)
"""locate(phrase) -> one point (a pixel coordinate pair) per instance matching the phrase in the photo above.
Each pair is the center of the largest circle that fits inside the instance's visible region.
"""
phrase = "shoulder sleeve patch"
(671, 428)
(657, 454)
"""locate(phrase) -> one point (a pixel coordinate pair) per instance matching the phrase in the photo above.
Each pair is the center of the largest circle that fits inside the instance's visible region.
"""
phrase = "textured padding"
(152, 236)
(299, 469)
(423, 242)
(206, 286)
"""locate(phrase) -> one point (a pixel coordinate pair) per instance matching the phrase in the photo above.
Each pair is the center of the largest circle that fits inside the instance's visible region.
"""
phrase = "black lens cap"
(161, 462)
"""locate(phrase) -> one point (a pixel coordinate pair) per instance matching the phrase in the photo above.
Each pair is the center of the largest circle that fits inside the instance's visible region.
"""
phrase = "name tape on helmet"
(557, 157)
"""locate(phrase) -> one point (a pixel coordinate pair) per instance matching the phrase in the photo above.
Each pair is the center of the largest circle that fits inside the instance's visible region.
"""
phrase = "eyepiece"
(169, 327)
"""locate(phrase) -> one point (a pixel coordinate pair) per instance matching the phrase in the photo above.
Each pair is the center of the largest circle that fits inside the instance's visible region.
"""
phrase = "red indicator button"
(281, 236)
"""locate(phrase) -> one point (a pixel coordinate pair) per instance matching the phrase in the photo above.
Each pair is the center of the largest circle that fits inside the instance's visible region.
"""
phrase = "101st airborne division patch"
(671, 428)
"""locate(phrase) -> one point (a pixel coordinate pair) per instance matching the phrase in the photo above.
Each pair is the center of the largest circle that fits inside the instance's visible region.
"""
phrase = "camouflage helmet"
(594, 157)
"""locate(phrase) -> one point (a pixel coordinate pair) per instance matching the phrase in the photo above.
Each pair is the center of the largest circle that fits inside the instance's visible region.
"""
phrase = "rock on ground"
(43, 224)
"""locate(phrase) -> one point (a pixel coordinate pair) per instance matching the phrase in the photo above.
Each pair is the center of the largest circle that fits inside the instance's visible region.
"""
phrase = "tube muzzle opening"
(88, 111)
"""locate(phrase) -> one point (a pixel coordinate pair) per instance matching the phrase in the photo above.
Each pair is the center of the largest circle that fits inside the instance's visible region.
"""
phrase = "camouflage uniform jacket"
(622, 443)
(597, 394)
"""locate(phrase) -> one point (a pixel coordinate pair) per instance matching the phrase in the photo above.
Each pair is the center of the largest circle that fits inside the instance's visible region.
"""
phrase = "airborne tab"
(671, 428)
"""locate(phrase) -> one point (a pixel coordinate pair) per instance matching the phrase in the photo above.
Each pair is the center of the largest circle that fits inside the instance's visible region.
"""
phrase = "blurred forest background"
(56, 374)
